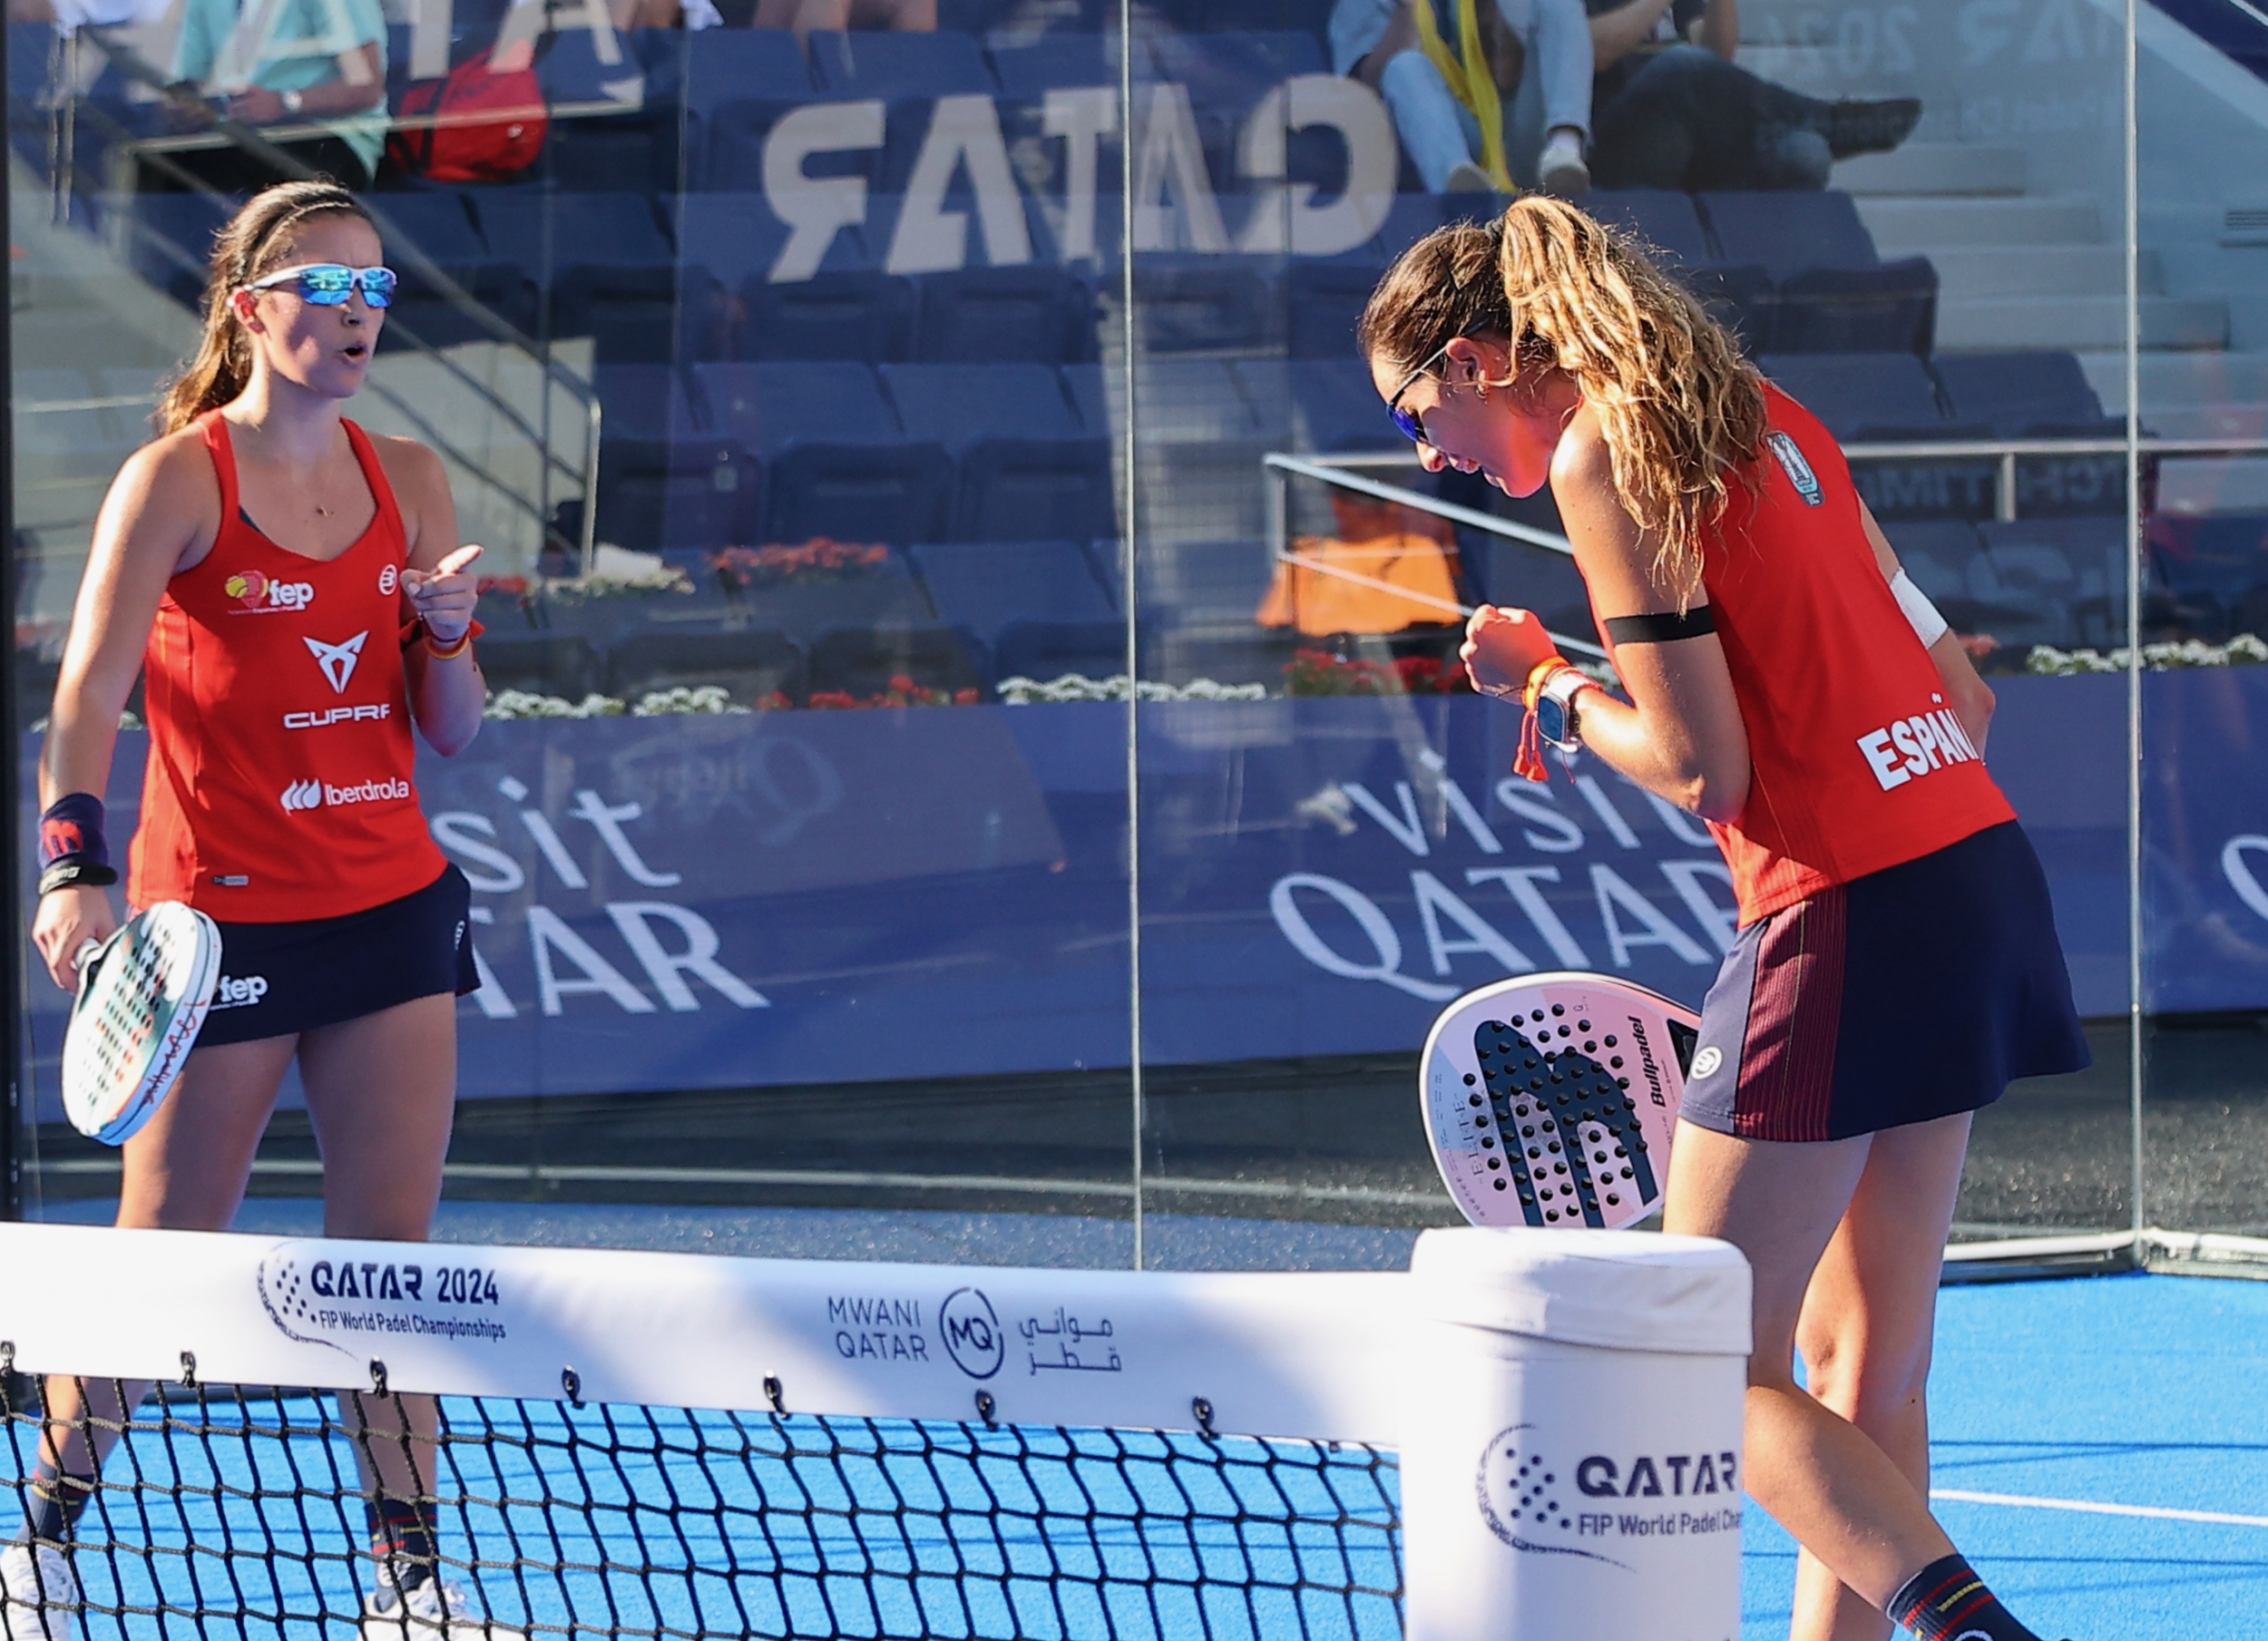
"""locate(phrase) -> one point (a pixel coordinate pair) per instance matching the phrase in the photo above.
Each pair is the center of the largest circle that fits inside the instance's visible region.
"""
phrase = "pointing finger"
(458, 559)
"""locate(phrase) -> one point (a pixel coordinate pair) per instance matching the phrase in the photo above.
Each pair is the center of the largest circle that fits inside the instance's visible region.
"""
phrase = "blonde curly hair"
(1683, 413)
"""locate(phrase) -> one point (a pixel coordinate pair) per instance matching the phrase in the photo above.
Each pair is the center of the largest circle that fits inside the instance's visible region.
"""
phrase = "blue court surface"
(2101, 1444)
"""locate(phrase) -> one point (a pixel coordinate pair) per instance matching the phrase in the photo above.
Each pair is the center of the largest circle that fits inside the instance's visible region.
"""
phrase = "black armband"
(1666, 628)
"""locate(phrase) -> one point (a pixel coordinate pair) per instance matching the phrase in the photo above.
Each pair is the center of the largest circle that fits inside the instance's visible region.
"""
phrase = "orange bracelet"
(450, 652)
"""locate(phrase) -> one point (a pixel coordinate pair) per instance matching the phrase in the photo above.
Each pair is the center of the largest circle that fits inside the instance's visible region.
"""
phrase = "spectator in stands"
(1450, 69)
(901, 16)
(1674, 111)
(294, 65)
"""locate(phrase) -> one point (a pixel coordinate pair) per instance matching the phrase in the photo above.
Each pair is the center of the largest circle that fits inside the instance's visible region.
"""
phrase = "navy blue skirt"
(278, 980)
(1906, 995)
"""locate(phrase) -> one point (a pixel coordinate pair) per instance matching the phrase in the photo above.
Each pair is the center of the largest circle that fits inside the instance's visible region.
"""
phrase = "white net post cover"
(665, 1445)
(1571, 1436)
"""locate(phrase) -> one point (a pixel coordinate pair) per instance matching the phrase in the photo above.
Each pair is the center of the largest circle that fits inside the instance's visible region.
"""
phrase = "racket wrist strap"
(72, 847)
(76, 874)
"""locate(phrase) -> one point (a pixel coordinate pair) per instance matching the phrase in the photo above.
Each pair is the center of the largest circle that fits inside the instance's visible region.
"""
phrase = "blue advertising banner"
(856, 896)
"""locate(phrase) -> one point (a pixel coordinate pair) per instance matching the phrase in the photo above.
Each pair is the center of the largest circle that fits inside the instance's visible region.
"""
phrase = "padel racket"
(1551, 1099)
(143, 994)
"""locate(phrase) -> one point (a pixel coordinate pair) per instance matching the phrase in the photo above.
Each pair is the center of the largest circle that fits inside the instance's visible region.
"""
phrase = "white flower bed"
(521, 703)
(1077, 687)
(679, 701)
(2243, 650)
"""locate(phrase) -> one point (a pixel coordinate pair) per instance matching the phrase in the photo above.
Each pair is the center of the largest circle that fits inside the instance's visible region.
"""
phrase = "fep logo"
(302, 795)
(337, 661)
(245, 994)
(972, 1330)
(261, 594)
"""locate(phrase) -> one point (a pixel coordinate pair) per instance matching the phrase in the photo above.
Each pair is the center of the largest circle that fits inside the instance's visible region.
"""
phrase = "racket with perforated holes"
(143, 994)
(1551, 1099)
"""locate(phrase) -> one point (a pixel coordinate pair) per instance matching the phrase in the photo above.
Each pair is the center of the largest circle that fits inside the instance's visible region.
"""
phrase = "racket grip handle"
(86, 954)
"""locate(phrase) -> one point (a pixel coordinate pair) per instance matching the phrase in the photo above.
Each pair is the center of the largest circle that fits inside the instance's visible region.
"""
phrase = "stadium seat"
(1202, 584)
(1201, 303)
(2019, 394)
(1029, 69)
(562, 665)
(168, 240)
(614, 125)
(749, 666)
(1003, 315)
(1047, 650)
(1318, 405)
(984, 586)
(1936, 553)
(1322, 298)
(860, 661)
(1663, 222)
(1784, 233)
(1865, 396)
(2092, 580)
(612, 274)
(836, 463)
(738, 82)
(847, 310)
(1743, 300)
(666, 481)
(894, 66)
(438, 227)
(1835, 293)
(1028, 470)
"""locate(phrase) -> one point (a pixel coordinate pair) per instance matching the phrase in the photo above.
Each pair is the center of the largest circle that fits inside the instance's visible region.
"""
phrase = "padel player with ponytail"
(1897, 962)
(295, 590)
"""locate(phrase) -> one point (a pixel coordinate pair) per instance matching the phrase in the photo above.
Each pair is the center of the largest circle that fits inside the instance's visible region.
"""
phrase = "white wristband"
(1929, 626)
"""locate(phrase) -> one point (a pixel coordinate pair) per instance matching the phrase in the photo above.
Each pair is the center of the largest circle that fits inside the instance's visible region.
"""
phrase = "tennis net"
(661, 1446)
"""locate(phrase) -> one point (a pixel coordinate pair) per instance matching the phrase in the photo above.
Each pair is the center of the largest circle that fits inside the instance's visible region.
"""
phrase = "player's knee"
(1866, 1380)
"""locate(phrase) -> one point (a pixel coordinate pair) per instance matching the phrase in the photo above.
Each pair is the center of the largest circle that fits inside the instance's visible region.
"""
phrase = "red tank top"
(1857, 762)
(279, 785)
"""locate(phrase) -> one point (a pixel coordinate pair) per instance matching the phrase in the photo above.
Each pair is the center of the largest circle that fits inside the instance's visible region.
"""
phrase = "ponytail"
(256, 239)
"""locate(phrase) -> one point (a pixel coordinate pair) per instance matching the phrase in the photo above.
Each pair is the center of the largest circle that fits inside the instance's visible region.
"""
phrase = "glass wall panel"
(764, 363)
(2204, 129)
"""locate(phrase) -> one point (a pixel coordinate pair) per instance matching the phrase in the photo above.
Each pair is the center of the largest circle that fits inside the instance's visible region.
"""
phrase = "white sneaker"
(39, 1594)
(1466, 177)
(1560, 171)
(430, 1611)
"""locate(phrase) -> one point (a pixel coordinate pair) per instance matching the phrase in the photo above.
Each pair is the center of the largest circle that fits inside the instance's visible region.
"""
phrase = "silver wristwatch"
(293, 104)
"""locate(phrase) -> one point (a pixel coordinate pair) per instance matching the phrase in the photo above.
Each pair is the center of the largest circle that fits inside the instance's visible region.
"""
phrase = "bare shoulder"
(171, 474)
(1582, 466)
(410, 467)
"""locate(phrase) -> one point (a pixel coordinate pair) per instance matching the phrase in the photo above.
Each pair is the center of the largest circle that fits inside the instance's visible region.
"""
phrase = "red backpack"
(475, 126)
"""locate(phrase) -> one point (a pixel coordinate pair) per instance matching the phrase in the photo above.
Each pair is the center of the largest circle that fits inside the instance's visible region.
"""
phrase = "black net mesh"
(239, 1511)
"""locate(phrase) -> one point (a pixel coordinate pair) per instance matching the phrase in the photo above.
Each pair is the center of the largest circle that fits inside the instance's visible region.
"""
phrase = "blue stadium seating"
(1047, 650)
(437, 224)
(985, 586)
(612, 274)
(1031, 312)
(1742, 300)
(1835, 293)
(666, 481)
(623, 135)
(1865, 395)
(744, 65)
(1027, 471)
(1322, 298)
(750, 665)
(2079, 561)
(2017, 393)
(1663, 221)
(1318, 405)
(892, 66)
(1202, 584)
(861, 662)
(1202, 303)
(835, 463)
(850, 313)
(560, 664)
(1029, 69)
(168, 240)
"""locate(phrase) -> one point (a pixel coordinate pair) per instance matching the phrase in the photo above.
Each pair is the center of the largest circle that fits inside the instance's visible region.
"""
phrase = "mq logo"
(262, 594)
(971, 1333)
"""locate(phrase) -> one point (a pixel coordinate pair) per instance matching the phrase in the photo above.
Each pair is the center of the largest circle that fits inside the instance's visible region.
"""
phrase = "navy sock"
(53, 1505)
(1947, 1599)
(406, 1534)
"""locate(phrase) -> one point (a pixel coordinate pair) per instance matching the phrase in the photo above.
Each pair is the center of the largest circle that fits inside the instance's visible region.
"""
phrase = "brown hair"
(1683, 413)
(255, 241)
